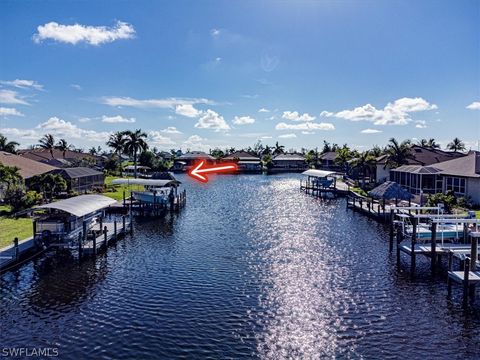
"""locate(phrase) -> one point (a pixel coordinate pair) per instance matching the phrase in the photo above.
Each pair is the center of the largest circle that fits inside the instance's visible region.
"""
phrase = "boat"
(154, 191)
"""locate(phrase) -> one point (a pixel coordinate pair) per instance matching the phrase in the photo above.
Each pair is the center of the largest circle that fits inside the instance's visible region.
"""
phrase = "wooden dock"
(339, 189)
(17, 252)
(98, 240)
(368, 206)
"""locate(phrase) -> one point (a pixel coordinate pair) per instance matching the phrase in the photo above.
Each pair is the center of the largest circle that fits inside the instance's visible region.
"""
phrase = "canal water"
(251, 267)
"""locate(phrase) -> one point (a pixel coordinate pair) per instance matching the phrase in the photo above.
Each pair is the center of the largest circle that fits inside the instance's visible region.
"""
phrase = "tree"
(148, 158)
(63, 146)
(343, 157)
(10, 175)
(93, 150)
(217, 153)
(267, 150)
(49, 185)
(47, 142)
(267, 161)
(432, 144)
(363, 162)
(279, 149)
(8, 146)
(397, 153)
(117, 143)
(135, 143)
(456, 145)
(326, 147)
(422, 142)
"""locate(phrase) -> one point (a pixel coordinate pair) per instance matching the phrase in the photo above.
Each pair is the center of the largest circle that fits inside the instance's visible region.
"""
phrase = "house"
(327, 160)
(81, 179)
(58, 158)
(289, 162)
(460, 175)
(245, 161)
(186, 161)
(422, 156)
(165, 156)
(27, 168)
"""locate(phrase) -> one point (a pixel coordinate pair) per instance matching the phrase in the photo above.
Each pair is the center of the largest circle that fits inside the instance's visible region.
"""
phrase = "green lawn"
(12, 228)
(117, 193)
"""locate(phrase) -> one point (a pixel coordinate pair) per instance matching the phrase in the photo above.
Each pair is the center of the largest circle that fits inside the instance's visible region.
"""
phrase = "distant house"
(165, 156)
(81, 179)
(59, 159)
(422, 156)
(245, 161)
(327, 160)
(142, 171)
(289, 162)
(28, 168)
(185, 161)
(460, 175)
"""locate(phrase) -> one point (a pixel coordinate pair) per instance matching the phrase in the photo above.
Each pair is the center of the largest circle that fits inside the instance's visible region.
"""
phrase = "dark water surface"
(250, 268)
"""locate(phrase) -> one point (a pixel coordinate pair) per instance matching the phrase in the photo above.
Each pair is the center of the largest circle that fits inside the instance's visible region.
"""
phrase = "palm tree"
(93, 150)
(432, 144)
(422, 143)
(10, 175)
(47, 142)
(456, 145)
(364, 161)
(63, 146)
(267, 150)
(343, 157)
(134, 144)
(279, 149)
(117, 143)
(397, 153)
(8, 146)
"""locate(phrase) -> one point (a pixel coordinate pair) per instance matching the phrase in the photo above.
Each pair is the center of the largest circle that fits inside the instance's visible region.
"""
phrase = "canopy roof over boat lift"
(146, 182)
(319, 173)
(80, 205)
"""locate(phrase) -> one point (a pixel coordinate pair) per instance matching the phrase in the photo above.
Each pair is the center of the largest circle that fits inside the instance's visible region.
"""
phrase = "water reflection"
(251, 268)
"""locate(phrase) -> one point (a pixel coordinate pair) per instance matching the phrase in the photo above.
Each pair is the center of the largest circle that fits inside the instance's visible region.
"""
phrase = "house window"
(455, 184)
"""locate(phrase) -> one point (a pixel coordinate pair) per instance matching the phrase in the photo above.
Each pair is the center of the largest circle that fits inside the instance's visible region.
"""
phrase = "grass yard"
(117, 194)
(12, 228)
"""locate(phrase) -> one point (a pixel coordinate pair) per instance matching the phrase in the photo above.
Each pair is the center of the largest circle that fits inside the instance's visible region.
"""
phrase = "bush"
(19, 200)
(448, 200)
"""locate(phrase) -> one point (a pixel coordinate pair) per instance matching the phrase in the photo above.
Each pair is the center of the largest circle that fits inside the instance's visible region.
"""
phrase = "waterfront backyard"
(251, 268)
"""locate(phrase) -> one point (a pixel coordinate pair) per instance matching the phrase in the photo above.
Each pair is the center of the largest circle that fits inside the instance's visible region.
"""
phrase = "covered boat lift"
(320, 182)
(77, 221)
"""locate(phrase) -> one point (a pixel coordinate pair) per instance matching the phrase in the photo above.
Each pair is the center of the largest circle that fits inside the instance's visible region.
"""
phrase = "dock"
(320, 183)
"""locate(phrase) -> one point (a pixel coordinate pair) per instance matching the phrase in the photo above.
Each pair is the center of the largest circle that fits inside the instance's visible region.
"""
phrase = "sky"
(205, 74)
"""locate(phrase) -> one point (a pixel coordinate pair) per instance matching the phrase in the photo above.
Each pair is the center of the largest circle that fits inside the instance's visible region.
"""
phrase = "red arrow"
(198, 171)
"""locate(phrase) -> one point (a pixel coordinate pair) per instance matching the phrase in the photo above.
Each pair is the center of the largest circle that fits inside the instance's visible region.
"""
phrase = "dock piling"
(392, 221)
(450, 268)
(434, 246)
(80, 250)
(466, 275)
(17, 251)
(105, 238)
(414, 243)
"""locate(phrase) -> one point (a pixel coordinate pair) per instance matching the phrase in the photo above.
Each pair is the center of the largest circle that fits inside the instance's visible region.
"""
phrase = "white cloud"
(166, 103)
(263, 110)
(396, 113)
(61, 127)
(194, 139)
(288, 136)
(308, 132)
(23, 84)
(295, 116)
(211, 120)
(11, 97)
(371, 131)
(308, 126)
(117, 119)
(474, 105)
(77, 33)
(171, 130)
(9, 112)
(84, 119)
(243, 120)
(266, 137)
(187, 110)
(27, 134)
(156, 138)
(326, 114)
(421, 124)
(215, 32)
(76, 87)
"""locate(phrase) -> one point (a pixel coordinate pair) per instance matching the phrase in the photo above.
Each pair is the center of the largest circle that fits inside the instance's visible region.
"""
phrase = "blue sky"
(200, 74)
